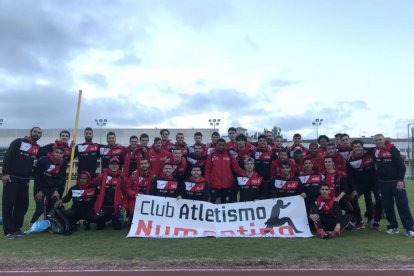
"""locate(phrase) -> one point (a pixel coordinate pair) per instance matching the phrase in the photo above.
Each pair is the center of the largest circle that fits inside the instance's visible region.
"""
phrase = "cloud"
(280, 83)
(128, 60)
(97, 79)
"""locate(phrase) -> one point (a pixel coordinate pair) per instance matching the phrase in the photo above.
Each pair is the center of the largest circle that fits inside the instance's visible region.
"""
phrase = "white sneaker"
(410, 233)
(393, 231)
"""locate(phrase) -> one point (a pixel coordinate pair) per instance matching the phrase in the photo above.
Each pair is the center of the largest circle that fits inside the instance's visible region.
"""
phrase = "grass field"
(110, 247)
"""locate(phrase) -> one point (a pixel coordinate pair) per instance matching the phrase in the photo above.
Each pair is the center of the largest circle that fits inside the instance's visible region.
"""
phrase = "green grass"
(111, 244)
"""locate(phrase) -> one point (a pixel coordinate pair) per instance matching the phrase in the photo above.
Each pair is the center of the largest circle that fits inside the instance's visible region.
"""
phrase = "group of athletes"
(329, 175)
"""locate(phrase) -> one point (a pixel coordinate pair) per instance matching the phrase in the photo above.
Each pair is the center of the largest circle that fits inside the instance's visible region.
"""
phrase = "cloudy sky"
(178, 63)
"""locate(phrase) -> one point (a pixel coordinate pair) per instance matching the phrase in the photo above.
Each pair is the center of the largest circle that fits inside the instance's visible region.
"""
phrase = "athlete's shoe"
(359, 226)
(410, 233)
(322, 234)
(20, 234)
(11, 236)
(376, 226)
(392, 231)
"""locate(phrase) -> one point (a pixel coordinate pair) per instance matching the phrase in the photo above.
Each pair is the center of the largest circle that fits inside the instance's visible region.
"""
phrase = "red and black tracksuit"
(311, 183)
(391, 169)
(140, 184)
(157, 160)
(318, 165)
(362, 177)
(87, 154)
(220, 167)
(294, 148)
(338, 183)
(83, 199)
(179, 169)
(329, 214)
(275, 168)
(196, 160)
(107, 152)
(344, 151)
(49, 177)
(165, 186)
(263, 161)
(18, 164)
(52, 146)
(241, 155)
(195, 189)
(110, 200)
(283, 187)
(250, 188)
(132, 159)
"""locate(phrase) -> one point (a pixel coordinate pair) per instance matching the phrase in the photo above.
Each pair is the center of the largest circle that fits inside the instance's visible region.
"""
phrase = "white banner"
(162, 217)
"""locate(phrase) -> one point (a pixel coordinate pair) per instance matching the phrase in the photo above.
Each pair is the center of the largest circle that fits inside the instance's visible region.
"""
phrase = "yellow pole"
(72, 153)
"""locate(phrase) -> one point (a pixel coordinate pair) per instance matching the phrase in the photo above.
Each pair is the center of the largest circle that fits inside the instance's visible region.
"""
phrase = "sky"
(175, 64)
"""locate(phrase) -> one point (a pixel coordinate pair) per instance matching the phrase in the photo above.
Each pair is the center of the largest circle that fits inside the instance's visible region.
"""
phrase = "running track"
(218, 272)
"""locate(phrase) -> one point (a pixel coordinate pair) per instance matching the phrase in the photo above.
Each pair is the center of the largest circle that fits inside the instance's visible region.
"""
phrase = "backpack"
(59, 224)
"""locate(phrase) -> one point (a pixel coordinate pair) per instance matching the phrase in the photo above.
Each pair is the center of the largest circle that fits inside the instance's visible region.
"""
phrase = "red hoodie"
(132, 157)
(157, 159)
(140, 185)
(220, 168)
(109, 178)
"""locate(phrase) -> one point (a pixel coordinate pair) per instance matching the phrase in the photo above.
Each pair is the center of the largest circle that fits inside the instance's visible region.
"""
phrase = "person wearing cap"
(166, 184)
(17, 169)
(112, 149)
(49, 181)
(196, 186)
(250, 185)
(110, 201)
(83, 195)
(297, 139)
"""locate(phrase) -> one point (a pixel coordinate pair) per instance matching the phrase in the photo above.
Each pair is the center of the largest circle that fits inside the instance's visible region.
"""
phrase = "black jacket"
(20, 157)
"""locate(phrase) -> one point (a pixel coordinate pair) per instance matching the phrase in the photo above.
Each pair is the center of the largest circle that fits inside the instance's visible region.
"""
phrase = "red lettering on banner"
(157, 230)
(224, 232)
(186, 231)
(143, 227)
(167, 230)
(288, 228)
(207, 233)
(265, 231)
(252, 231)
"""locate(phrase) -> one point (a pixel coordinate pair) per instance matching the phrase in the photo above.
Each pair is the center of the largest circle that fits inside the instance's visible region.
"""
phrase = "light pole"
(317, 123)
(410, 154)
(100, 123)
(214, 122)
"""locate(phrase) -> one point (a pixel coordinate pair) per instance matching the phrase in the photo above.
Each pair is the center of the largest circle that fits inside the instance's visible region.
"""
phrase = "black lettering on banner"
(232, 214)
(246, 212)
(170, 211)
(261, 212)
(209, 213)
(142, 207)
(184, 211)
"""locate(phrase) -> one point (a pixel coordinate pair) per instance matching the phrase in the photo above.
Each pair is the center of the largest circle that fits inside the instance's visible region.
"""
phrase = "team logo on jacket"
(286, 185)
(193, 187)
(257, 154)
(104, 151)
(191, 160)
(108, 179)
(356, 164)
(82, 148)
(27, 147)
(166, 185)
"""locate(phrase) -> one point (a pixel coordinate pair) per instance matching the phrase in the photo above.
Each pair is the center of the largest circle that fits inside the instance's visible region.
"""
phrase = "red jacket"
(220, 168)
(108, 178)
(157, 159)
(130, 155)
(275, 169)
(140, 185)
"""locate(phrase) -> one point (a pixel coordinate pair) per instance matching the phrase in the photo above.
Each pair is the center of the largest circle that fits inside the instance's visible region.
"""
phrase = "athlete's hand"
(400, 186)
(338, 229)
(178, 197)
(303, 195)
(58, 203)
(5, 178)
(56, 194)
(314, 217)
(39, 196)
